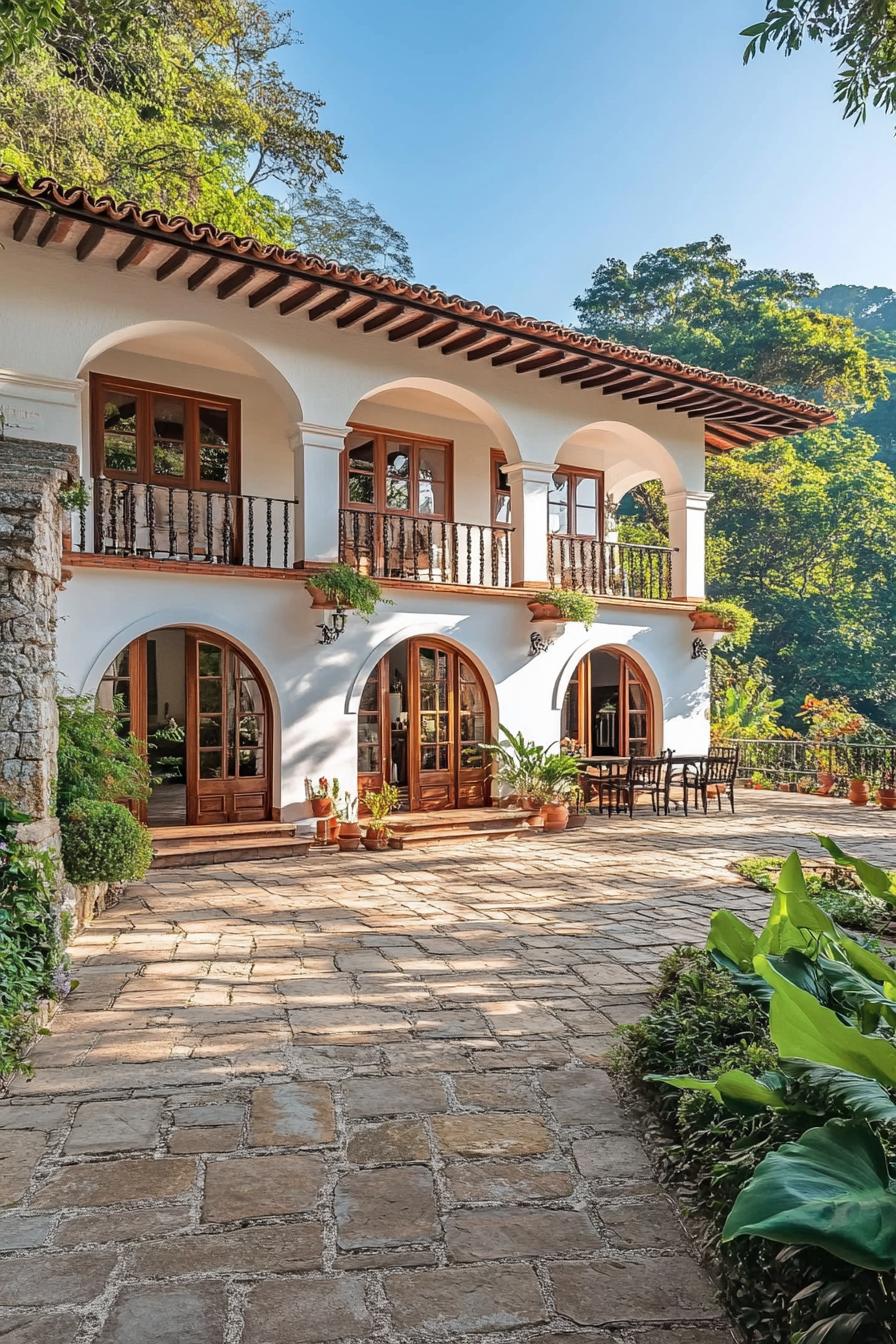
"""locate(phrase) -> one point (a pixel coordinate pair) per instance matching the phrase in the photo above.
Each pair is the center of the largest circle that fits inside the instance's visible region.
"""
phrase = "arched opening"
(200, 706)
(422, 718)
(608, 708)
(423, 491)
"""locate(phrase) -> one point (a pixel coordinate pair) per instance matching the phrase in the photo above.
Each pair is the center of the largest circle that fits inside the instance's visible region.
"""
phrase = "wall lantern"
(331, 629)
(698, 649)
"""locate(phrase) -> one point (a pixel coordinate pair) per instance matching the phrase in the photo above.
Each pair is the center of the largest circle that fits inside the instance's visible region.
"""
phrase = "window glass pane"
(360, 489)
(251, 763)
(251, 730)
(428, 758)
(209, 731)
(431, 463)
(502, 510)
(120, 430)
(431, 498)
(210, 696)
(558, 507)
(209, 660)
(360, 453)
(214, 438)
(428, 727)
(168, 416)
(586, 492)
(209, 765)
(370, 694)
(586, 522)
(251, 700)
(398, 466)
(398, 459)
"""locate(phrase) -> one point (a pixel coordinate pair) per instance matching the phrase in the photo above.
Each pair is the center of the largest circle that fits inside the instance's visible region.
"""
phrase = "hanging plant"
(734, 621)
(560, 604)
(341, 587)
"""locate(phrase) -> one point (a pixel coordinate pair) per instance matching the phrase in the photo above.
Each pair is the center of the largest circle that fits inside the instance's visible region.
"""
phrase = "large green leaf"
(830, 1189)
(866, 961)
(794, 920)
(733, 938)
(748, 981)
(735, 1088)
(825, 1088)
(862, 996)
(802, 1028)
(876, 881)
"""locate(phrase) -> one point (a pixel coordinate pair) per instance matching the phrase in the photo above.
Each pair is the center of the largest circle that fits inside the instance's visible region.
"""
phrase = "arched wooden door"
(437, 759)
(620, 723)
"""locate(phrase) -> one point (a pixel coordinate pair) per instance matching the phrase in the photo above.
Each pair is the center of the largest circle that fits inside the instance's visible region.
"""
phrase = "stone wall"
(31, 475)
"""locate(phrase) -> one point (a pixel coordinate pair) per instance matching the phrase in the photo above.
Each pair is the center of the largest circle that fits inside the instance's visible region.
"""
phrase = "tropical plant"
(344, 586)
(345, 805)
(556, 778)
(829, 719)
(104, 842)
(380, 803)
(571, 606)
(94, 760)
(323, 789)
(737, 622)
(518, 761)
(743, 703)
(72, 497)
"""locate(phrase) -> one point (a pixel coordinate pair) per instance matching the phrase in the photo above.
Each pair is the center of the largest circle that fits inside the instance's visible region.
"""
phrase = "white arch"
(420, 629)
(590, 644)
(260, 365)
(626, 454)
(470, 401)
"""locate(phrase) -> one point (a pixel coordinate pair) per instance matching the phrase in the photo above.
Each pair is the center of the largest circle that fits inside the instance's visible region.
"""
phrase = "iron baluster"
(226, 538)
(401, 547)
(82, 518)
(269, 528)
(387, 535)
(209, 527)
(113, 515)
(286, 534)
(151, 517)
(481, 557)
(493, 538)
(190, 525)
(251, 526)
(455, 551)
(172, 529)
(507, 558)
(132, 518)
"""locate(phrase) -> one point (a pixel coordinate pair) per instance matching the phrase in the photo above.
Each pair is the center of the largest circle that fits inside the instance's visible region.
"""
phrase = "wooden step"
(452, 835)
(165, 836)
(238, 849)
(459, 819)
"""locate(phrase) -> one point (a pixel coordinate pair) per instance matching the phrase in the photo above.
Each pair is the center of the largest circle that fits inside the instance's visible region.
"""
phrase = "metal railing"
(610, 568)
(396, 546)
(169, 522)
(787, 760)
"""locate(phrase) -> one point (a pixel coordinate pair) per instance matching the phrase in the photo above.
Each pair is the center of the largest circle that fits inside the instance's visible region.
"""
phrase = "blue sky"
(518, 143)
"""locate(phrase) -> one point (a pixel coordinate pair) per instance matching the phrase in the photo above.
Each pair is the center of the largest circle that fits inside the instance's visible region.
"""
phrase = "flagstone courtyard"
(365, 1097)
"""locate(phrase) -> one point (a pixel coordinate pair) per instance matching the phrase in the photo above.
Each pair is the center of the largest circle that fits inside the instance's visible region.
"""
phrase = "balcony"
(610, 568)
(427, 550)
(172, 523)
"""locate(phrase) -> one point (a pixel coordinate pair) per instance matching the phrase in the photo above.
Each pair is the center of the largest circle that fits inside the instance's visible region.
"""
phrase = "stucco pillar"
(687, 537)
(529, 485)
(317, 454)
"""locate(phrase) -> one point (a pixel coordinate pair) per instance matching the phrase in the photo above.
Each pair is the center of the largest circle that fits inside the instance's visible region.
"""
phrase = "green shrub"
(738, 622)
(94, 761)
(103, 842)
(32, 960)
(837, 893)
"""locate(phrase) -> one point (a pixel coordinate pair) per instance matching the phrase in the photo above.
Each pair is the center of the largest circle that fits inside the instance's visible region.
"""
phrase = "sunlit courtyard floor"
(364, 1098)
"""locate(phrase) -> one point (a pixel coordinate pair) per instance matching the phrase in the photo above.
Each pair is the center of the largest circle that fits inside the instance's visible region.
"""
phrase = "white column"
(687, 537)
(317, 453)
(529, 485)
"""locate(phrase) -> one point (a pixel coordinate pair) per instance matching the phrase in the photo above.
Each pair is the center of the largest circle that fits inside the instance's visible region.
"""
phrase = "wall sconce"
(538, 643)
(698, 649)
(329, 633)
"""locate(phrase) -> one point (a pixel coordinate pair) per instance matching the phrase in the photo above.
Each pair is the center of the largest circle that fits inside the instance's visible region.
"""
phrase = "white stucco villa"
(247, 415)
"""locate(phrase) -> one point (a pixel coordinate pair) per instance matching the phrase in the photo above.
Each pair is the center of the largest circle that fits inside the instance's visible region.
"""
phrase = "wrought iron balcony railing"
(610, 568)
(169, 522)
(396, 546)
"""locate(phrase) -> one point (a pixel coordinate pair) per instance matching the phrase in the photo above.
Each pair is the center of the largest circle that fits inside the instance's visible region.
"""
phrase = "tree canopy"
(861, 34)
(184, 108)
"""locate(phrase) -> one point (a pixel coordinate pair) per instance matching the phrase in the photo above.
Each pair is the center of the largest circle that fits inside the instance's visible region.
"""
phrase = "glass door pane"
(471, 718)
(211, 698)
(168, 437)
(214, 444)
(434, 718)
(120, 431)
(430, 480)
(114, 692)
(638, 717)
(369, 738)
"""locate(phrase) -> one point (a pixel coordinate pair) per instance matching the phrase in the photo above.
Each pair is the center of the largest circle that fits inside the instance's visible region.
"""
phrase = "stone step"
(238, 849)
(447, 835)
(165, 836)
(460, 819)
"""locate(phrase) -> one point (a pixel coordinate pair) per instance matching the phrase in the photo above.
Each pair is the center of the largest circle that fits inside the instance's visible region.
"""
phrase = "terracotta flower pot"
(858, 793)
(887, 799)
(321, 807)
(576, 820)
(375, 839)
(544, 611)
(706, 620)
(349, 836)
(826, 781)
(556, 816)
(333, 823)
(747, 784)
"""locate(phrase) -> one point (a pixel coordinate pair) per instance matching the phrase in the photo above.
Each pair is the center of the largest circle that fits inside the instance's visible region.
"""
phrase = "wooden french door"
(228, 735)
(623, 726)
(447, 721)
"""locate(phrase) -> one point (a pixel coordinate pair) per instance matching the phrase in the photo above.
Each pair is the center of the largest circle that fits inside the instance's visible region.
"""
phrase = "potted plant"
(733, 621)
(886, 794)
(342, 589)
(379, 803)
(858, 793)
(560, 604)
(349, 837)
(321, 798)
(518, 762)
(578, 812)
(557, 777)
(805, 784)
(72, 499)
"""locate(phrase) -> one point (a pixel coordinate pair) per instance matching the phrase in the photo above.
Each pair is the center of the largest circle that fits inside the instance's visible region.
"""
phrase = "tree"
(873, 309)
(861, 33)
(181, 107)
(704, 306)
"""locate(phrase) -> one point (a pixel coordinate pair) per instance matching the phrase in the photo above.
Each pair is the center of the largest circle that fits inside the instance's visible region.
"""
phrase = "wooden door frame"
(414, 742)
(628, 668)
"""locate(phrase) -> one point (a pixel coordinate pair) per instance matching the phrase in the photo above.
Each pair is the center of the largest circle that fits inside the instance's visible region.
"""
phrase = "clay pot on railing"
(858, 793)
(826, 781)
(707, 620)
(349, 838)
(886, 796)
(320, 601)
(556, 816)
(545, 611)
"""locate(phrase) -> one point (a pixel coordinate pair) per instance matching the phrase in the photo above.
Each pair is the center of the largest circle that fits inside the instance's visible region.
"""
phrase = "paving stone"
(649, 1224)
(259, 1187)
(602, 1292)
(114, 1126)
(508, 1182)
(87, 1184)
(43, 1329)
(503, 1234)
(389, 1141)
(167, 1314)
(397, 1257)
(490, 1135)
(217, 1139)
(19, 1232)
(579, 1096)
(493, 1092)
(303, 1311)
(611, 1157)
(209, 1116)
(371, 1097)
(292, 1115)
(74, 1277)
(686, 1336)
(49, 1116)
(20, 1153)
(465, 1300)
(120, 1225)
(384, 1208)
(520, 1017)
(285, 1249)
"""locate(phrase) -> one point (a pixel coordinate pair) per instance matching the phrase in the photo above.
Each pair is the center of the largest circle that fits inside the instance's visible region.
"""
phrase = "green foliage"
(743, 703)
(557, 778)
(738, 622)
(94, 761)
(185, 109)
(344, 586)
(847, 905)
(32, 960)
(860, 33)
(380, 803)
(572, 606)
(104, 842)
(530, 770)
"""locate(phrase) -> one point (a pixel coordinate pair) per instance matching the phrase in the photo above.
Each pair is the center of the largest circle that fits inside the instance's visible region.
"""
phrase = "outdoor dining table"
(609, 766)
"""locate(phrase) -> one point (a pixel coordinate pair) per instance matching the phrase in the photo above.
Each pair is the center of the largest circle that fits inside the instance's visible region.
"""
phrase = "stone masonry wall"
(31, 475)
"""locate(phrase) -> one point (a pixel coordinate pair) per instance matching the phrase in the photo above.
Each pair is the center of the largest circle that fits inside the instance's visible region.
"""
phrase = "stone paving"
(364, 1098)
